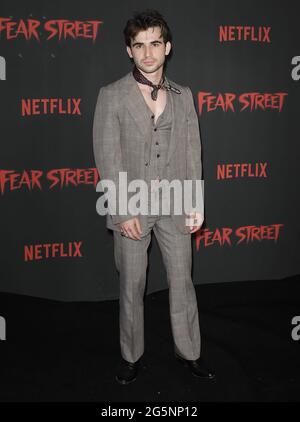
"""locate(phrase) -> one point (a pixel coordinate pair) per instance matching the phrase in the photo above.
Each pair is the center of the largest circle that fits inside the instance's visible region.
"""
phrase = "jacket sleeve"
(107, 146)
(194, 155)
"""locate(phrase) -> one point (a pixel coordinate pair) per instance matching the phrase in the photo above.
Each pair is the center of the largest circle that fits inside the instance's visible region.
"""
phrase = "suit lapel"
(177, 109)
(135, 103)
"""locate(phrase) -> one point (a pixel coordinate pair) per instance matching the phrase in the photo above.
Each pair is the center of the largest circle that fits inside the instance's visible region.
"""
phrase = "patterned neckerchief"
(139, 77)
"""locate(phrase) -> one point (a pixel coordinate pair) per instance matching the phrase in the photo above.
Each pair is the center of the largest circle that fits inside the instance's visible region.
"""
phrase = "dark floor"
(57, 351)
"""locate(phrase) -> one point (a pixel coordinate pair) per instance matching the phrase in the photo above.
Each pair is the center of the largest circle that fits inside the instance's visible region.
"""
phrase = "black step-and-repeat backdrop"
(242, 62)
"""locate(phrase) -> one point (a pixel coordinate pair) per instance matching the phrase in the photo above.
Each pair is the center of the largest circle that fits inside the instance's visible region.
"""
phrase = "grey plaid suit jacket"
(122, 140)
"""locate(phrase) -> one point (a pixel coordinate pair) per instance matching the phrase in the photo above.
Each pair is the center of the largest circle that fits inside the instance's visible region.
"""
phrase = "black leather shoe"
(127, 372)
(197, 367)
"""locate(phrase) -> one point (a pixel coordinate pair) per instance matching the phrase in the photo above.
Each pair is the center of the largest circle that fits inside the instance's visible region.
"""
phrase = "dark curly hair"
(141, 21)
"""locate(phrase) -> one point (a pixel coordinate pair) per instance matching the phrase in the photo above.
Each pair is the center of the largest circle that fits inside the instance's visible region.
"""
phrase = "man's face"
(148, 50)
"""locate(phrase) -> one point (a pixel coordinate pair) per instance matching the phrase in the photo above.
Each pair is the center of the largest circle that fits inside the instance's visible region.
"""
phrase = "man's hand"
(196, 221)
(131, 228)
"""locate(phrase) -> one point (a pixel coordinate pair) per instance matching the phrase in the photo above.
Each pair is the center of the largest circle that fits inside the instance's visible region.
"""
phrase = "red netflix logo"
(52, 250)
(236, 170)
(37, 106)
(244, 33)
